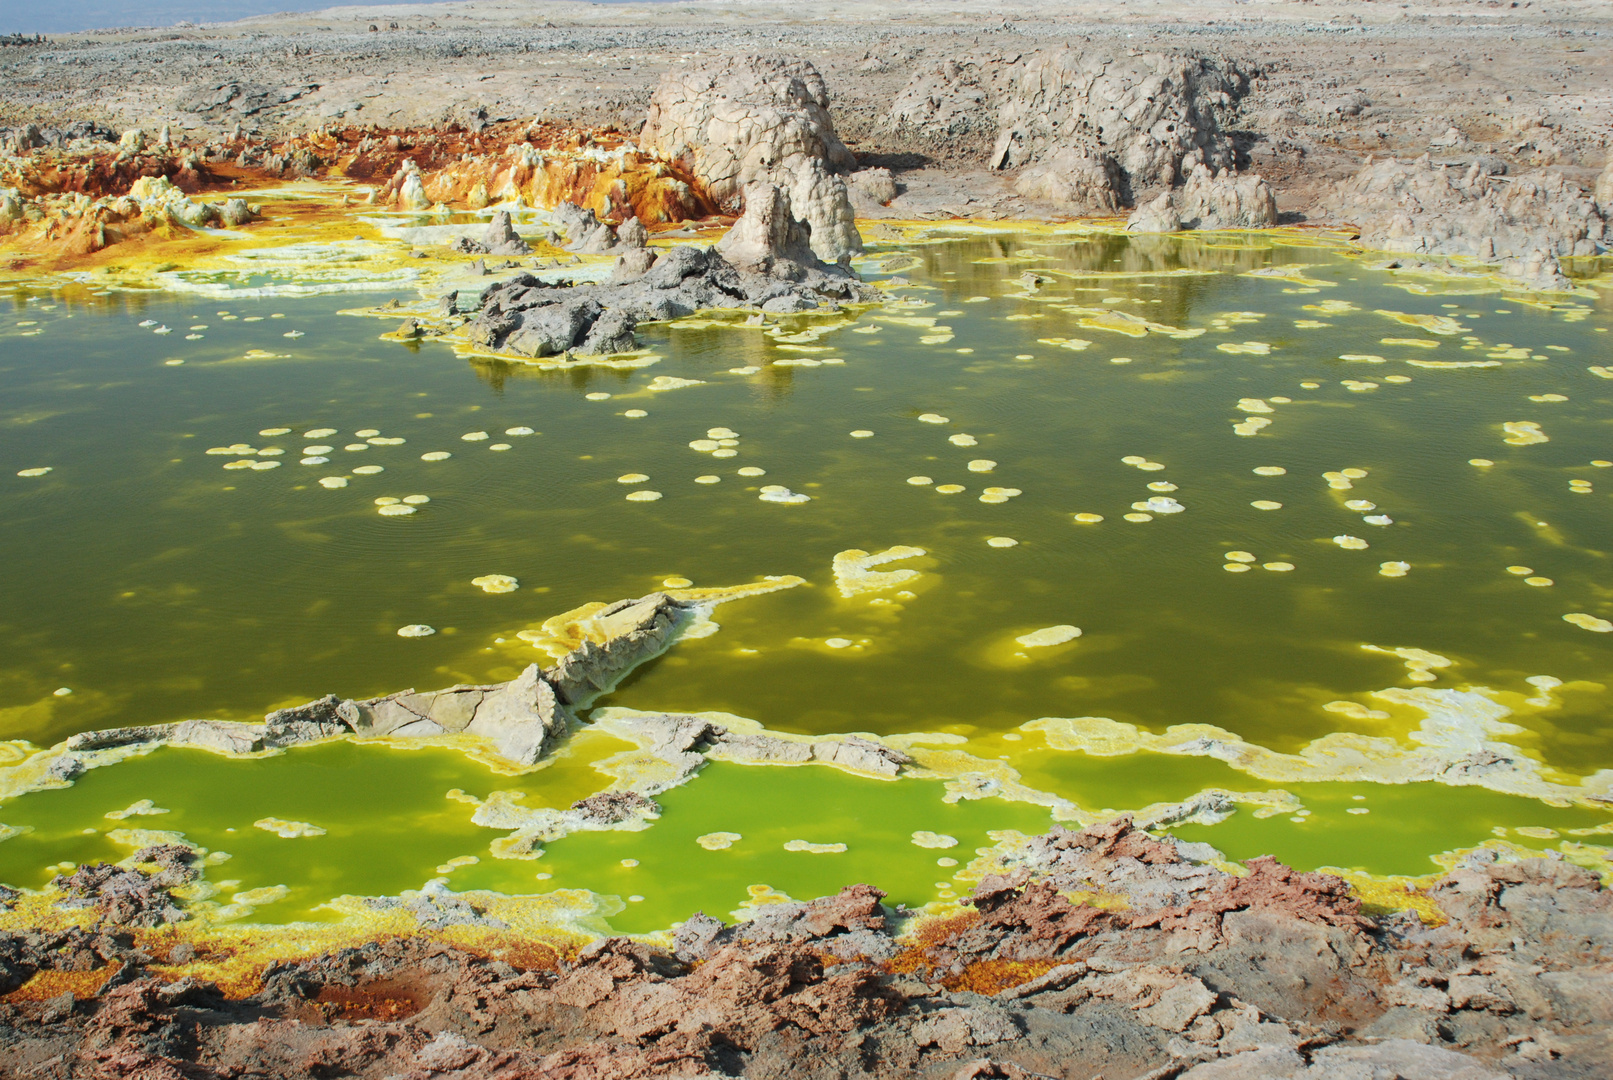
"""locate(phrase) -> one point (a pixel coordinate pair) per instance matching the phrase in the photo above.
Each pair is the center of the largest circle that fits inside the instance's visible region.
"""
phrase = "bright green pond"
(156, 585)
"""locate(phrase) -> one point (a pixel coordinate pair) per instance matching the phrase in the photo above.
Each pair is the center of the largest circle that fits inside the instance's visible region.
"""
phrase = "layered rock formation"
(1524, 223)
(1167, 967)
(750, 119)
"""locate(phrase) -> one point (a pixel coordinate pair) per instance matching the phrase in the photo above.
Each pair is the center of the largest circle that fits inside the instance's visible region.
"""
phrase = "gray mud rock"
(584, 232)
(1158, 216)
(523, 718)
(850, 751)
(765, 262)
(131, 897)
(500, 238)
(310, 722)
(747, 119)
(677, 739)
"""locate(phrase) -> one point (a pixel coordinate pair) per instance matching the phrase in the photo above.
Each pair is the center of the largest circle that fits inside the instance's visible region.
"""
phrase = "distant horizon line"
(68, 17)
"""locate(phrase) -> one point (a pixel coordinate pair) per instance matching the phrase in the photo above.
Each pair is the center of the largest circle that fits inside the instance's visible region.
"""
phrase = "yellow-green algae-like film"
(1090, 524)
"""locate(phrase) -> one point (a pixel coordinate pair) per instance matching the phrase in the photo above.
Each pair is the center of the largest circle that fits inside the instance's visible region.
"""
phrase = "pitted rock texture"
(1524, 222)
(748, 119)
(127, 896)
(1088, 128)
(1160, 967)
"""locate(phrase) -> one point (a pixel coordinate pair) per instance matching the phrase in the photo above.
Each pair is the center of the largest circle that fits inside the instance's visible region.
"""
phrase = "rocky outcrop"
(1158, 216)
(1105, 951)
(522, 719)
(1078, 177)
(628, 633)
(499, 239)
(1521, 223)
(1088, 128)
(764, 263)
(769, 239)
(1152, 116)
(131, 896)
(871, 187)
(1219, 200)
(582, 230)
(1604, 190)
(748, 119)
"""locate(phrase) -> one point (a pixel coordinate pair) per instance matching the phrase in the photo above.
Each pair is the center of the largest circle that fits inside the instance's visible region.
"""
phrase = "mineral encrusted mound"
(765, 262)
(1089, 128)
(1218, 200)
(1524, 223)
(1107, 951)
(745, 119)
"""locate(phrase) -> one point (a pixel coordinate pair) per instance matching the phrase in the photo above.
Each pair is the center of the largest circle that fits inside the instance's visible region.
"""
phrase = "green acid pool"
(1301, 465)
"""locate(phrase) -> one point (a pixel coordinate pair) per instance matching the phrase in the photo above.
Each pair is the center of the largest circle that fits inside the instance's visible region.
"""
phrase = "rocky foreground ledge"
(1106, 952)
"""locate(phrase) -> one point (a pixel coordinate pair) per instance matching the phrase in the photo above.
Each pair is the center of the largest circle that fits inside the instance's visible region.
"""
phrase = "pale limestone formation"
(1522, 223)
(1219, 200)
(769, 238)
(1084, 179)
(871, 187)
(759, 119)
(1089, 127)
(1159, 216)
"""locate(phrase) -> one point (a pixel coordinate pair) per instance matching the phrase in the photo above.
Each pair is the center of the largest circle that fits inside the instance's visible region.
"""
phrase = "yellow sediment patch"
(718, 841)
(287, 829)
(1049, 635)
(815, 849)
(1420, 663)
(1443, 325)
(855, 575)
(1523, 433)
(1291, 274)
(926, 839)
(562, 633)
(1452, 365)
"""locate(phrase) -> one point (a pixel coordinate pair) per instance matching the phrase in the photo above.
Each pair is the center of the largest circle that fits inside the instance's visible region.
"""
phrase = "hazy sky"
(66, 16)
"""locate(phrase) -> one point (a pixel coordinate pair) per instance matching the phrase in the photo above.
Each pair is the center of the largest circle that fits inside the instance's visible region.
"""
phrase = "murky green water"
(156, 585)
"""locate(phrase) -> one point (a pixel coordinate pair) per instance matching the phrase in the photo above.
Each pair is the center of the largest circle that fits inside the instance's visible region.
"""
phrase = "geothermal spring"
(685, 554)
